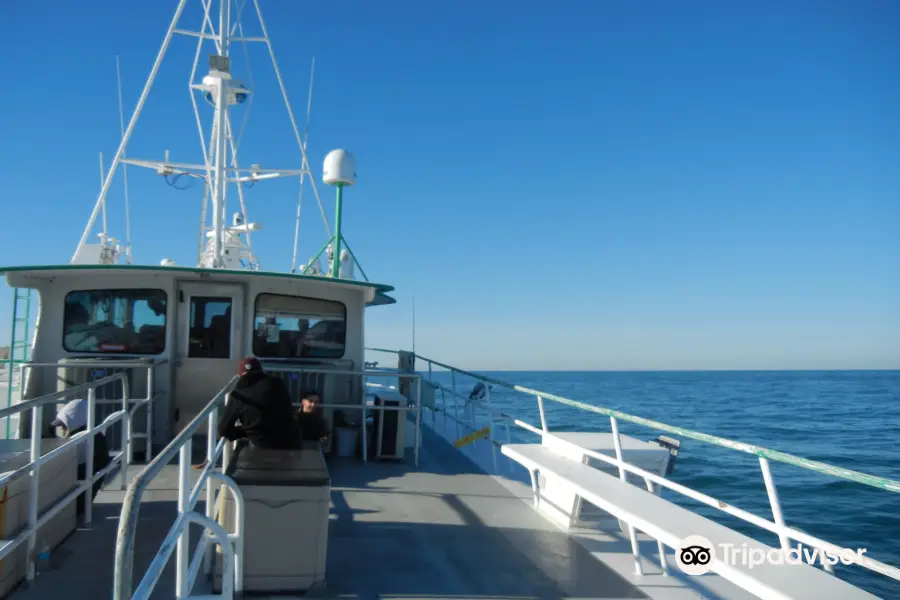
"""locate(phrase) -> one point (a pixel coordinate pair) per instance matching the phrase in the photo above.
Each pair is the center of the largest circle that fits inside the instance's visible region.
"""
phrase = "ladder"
(18, 349)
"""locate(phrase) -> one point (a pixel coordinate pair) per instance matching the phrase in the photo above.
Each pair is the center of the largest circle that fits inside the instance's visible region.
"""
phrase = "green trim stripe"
(199, 270)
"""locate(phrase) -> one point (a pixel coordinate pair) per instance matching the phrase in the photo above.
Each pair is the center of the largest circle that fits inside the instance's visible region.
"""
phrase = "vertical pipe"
(221, 148)
(336, 260)
(35, 476)
(89, 454)
(183, 558)
(632, 534)
(773, 501)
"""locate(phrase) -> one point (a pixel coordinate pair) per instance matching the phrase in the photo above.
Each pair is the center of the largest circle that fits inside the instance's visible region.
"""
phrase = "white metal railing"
(26, 371)
(364, 406)
(37, 459)
(777, 526)
(188, 566)
(178, 539)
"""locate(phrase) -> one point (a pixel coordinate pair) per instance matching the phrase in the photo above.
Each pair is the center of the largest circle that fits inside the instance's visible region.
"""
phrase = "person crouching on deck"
(72, 419)
(263, 406)
(312, 425)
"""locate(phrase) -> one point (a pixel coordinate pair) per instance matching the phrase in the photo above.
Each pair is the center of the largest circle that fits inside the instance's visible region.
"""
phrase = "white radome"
(340, 168)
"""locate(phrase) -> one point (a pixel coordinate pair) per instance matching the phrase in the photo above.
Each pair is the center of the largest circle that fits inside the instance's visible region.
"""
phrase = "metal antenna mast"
(225, 247)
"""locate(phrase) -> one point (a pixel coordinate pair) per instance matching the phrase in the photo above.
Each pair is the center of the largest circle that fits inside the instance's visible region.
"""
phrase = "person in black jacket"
(72, 419)
(312, 425)
(259, 409)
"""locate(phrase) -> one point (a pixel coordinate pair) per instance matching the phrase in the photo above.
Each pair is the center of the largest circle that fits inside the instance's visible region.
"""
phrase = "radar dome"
(340, 168)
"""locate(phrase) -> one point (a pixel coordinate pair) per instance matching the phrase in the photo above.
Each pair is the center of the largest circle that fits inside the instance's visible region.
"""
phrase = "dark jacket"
(312, 425)
(101, 461)
(262, 404)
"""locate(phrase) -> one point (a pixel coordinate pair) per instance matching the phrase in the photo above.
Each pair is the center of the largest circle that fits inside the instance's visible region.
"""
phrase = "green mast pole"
(336, 261)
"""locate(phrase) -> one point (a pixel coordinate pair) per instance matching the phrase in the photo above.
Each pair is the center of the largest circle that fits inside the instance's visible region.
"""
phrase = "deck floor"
(444, 530)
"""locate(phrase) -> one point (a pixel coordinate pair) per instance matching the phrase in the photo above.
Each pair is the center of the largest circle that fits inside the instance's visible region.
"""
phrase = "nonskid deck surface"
(444, 530)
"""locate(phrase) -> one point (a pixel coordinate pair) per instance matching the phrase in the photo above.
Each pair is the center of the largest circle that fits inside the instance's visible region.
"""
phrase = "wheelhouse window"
(115, 321)
(210, 328)
(299, 327)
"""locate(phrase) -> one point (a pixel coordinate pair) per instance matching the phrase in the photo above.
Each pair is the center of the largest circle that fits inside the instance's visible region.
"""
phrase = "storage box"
(57, 479)
(286, 499)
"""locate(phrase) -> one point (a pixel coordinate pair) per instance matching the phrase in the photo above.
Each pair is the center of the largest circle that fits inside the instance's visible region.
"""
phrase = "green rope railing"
(883, 483)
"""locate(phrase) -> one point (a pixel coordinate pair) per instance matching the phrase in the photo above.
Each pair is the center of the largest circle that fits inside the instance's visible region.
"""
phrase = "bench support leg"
(659, 545)
(535, 488)
(635, 549)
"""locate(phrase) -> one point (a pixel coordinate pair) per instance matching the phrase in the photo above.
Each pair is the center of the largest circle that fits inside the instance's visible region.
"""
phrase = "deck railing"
(416, 407)
(126, 367)
(777, 526)
(36, 459)
(178, 539)
(188, 565)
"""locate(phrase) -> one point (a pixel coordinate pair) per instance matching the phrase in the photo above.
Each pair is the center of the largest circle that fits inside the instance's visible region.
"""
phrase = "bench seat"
(670, 523)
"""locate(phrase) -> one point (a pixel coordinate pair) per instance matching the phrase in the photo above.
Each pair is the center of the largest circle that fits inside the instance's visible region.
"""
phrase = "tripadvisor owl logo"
(695, 555)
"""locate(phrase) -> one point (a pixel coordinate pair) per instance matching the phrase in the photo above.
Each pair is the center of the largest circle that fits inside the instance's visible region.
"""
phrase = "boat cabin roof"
(20, 276)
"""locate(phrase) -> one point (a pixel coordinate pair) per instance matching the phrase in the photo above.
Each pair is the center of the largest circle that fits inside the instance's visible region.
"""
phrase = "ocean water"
(846, 418)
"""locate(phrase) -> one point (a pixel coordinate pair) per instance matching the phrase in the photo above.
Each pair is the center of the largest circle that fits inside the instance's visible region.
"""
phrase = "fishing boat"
(432, 492)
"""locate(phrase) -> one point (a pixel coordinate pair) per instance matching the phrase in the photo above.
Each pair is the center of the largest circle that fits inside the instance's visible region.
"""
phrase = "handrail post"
(89, 454)
(36, 421)
(632, 533)
(239, 516)
(210, 486)
(433, 401)
(127, 447)
(540, 401)
(777, 515)
(490, 416)
(418, 417)
(364, 433)
(455, 402)
(151, 396)
(182, 557)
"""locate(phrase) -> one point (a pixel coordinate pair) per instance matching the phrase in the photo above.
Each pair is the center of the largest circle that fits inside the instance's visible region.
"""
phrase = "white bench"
(670, 524)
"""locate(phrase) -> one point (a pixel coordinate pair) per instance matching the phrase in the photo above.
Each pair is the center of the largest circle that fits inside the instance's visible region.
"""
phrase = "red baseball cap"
(249, 365)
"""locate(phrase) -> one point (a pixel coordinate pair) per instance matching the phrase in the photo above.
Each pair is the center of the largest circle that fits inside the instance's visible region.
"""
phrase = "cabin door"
(210, 343)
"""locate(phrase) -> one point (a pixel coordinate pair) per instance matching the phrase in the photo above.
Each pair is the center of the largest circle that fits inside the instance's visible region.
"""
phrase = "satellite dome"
(340, 168)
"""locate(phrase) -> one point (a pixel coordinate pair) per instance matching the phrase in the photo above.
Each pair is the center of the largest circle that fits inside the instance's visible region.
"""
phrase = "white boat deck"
(445, 530)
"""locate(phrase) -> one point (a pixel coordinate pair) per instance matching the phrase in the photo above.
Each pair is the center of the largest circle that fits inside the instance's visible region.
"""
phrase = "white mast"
(220, 74)
(225, 247)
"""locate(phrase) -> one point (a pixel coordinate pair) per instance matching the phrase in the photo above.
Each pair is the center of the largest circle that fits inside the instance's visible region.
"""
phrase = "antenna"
(221, 91)
(312, 73)
(414, 323)
(102, 177)
(124, 169)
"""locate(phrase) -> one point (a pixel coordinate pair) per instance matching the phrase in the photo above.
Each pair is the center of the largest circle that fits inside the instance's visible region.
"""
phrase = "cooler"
(287, 496)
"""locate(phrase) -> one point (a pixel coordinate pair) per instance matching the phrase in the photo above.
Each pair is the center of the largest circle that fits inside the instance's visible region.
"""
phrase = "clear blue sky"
(581, 185)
